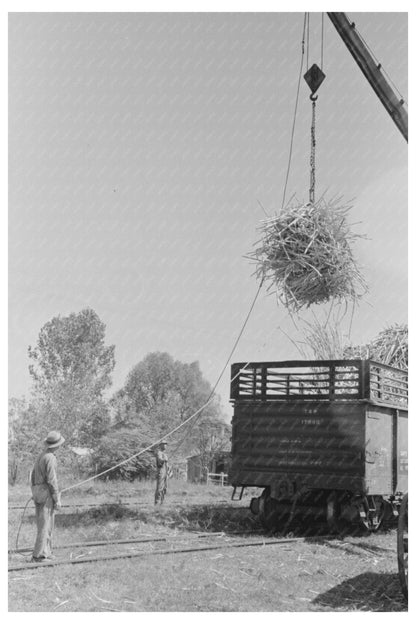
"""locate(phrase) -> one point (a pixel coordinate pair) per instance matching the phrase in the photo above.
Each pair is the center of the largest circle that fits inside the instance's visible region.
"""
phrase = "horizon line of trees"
(71, 368)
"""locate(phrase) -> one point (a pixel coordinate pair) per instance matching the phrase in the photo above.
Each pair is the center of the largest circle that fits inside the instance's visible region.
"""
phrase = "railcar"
(403, 545)
(325, 439)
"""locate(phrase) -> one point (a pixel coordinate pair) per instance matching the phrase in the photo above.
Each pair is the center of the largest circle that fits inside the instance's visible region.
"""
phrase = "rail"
(319, 380)
(261, 542)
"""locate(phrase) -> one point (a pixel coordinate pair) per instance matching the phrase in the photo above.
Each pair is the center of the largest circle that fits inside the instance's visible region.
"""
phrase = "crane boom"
(394, 106)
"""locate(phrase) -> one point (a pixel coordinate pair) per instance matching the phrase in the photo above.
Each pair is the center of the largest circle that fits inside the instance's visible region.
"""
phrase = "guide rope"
(182, 424)
(21, 522)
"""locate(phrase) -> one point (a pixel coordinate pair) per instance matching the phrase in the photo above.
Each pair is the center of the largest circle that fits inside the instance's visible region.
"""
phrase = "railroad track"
(161, 538)
(118, 502)
(89, 505)
(80, 559)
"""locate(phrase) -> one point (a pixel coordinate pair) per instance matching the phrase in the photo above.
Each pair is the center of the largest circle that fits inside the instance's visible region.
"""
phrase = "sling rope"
(313, 153)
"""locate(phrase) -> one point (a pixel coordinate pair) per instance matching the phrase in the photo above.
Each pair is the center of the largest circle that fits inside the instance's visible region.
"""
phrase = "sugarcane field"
(208, 311)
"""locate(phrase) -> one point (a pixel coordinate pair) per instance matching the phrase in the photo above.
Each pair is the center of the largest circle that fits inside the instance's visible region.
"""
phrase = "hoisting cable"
(295, 111)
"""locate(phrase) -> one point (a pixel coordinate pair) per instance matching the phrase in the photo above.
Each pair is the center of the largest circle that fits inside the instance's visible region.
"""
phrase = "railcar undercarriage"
(340, 509)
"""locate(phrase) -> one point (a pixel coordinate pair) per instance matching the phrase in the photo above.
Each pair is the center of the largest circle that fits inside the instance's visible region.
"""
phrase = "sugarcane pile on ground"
(305, 252)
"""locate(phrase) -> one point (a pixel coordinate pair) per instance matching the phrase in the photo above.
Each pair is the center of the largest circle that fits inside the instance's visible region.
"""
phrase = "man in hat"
(162, 473)
(46, 495)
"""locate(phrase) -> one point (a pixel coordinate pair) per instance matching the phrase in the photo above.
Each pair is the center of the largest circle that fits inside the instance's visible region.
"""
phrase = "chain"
(312, 160)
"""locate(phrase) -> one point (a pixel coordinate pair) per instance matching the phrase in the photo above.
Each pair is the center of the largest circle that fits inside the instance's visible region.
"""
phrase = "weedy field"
(318, 573)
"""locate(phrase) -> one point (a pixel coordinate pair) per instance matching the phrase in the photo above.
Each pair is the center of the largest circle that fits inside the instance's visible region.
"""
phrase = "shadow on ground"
(209, 518)
(197, 517)
(365, 592)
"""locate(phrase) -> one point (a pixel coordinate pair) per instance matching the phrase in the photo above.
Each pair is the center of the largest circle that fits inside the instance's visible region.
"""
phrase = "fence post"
(380, 379)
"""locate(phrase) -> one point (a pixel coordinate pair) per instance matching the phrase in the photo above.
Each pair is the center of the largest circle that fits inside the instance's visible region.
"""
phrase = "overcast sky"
(140, 147)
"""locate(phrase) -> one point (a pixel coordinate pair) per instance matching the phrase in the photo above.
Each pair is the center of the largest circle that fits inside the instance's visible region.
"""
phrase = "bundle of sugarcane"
(324, 341)
(305, 252)
(389, 347)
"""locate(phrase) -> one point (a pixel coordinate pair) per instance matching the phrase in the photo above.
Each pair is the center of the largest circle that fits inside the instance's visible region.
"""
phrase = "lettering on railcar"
(291, 440)
(311, 421)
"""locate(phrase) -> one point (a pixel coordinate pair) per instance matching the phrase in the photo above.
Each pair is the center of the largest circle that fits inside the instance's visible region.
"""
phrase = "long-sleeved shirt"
(161, 461)
(44, 472)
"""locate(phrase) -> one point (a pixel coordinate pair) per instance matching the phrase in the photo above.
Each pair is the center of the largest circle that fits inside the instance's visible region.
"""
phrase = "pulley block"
(314, 77)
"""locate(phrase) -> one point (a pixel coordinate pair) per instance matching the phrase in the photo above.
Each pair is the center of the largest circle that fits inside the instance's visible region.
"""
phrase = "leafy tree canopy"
(71, 367)
(160, 393)
(71, 349)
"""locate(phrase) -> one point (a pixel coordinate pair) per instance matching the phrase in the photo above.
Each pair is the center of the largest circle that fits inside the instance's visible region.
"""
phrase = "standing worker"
(162, 473)
(46, 495)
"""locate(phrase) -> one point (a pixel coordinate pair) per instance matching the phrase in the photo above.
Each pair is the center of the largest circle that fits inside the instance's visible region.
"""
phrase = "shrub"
(118, 446)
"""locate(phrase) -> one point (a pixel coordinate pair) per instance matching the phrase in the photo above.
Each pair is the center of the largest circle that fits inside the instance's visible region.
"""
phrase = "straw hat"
(54, 439)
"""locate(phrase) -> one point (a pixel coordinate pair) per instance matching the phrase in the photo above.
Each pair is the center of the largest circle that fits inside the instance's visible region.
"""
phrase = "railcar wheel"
(402, 545)
(336, 523)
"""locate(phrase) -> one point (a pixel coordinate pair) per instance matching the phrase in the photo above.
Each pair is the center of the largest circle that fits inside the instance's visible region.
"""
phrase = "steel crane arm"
(394, 106)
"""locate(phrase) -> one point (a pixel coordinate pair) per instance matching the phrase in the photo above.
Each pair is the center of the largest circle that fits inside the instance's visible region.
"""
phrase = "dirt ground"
(318, 573)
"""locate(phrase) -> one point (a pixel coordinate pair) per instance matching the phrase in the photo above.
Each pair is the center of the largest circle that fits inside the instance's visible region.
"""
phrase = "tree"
(71, 369)
(160, 393)
(118, 445)
(23, 437)
(71, 349)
